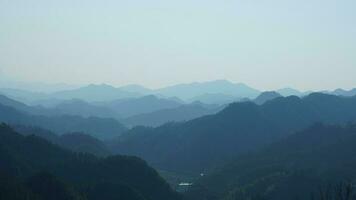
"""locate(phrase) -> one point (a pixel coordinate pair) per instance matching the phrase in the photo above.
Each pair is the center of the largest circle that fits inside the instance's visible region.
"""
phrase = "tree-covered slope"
(103, 128)
(203, 143)
(25, 156)
(77, 142)
(293, 168)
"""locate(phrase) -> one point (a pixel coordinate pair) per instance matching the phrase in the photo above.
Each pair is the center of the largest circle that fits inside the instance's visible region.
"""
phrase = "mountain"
(77, 142)
(37, 187)
(51, 171)
(4, 100)
(203, 143)
(46, 103)
(266, 96)
(135, 106)
(80, 142)
(342, 92)
(178, 114)
(293, 168)
(22, 95)
(75, 107)
(37, 110)
(138, 89)
(219, 99)
(84, 109)
(92, 93)
(102, 128)
(290, 92)
(192, 90)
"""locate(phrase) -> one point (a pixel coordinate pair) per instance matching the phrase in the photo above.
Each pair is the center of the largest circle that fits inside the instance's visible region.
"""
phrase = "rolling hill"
(203, 143)
(293, 168)
(49, 172)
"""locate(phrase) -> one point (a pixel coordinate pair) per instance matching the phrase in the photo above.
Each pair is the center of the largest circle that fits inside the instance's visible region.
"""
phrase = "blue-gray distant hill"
(219, 99)
(290, 92)
(103, 128)
(205, 142)
(94, 93)
(342, 92)
(192, 90)
(135, 106)
(178, 114)
(266, 96)
(84, 109)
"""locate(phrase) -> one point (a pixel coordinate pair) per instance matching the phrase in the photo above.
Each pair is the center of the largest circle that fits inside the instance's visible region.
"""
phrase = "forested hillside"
(209, 141)
(37, 169)
(294, 168)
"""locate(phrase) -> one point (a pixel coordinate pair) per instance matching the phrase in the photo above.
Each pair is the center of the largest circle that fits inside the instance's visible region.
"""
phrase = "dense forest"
(33, 168)
(297, 167)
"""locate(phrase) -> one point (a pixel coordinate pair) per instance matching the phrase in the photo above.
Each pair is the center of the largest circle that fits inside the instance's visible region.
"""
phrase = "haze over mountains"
(178, 100)
(218, 140)
(213, 92)
(206, 142)
(186, 92)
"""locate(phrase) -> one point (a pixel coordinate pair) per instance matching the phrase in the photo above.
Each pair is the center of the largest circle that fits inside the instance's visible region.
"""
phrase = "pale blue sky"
(268, 44)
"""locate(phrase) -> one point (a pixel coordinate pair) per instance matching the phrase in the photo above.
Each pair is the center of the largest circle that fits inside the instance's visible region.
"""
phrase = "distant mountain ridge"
(76, 142)
(103, 92)
(95, 93)
(177, 114)
(189, 91)
(102, 128)
(205, 142)
(207, 92)
(135, 106)
(266, 96)
(342, 92)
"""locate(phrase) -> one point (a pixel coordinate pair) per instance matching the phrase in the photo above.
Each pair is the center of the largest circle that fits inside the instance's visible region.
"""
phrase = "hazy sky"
(268, 44)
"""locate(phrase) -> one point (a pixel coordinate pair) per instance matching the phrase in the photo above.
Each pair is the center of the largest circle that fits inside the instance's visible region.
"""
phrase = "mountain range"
(201, 144)
(103, 128)
(33, 169)
(309, 163)
(210, 92)
(177, 114)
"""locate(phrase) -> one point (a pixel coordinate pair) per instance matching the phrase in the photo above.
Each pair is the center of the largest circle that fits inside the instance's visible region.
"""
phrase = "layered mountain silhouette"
(103, 128)
(190, 91)
(135, 106)
(76, 142)
(218, 91)
(219, 99)
(32, 168)
(178, 114)
(290, 92)
(266, 96)
(95, 93)
(84, 109)
(294, 168)
(209, 141)
(342, 92)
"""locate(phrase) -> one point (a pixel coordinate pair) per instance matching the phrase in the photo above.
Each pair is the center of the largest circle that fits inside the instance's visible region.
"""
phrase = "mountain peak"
(266, 96)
